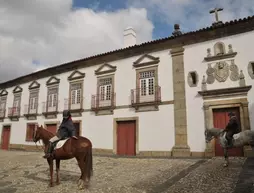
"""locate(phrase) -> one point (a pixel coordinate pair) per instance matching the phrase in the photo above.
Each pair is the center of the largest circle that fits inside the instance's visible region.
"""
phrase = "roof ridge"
(205, 29)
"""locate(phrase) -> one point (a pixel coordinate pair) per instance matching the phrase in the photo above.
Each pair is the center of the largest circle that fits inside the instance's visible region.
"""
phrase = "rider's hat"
(230, 114)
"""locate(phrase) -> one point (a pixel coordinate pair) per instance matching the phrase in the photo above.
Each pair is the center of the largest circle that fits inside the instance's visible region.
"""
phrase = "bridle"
(34, 132)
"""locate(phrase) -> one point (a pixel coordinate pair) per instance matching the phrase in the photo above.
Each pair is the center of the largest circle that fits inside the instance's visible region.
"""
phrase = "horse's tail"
(89, 163)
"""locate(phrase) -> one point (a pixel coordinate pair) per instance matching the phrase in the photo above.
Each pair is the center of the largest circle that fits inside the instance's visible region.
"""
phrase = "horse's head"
(208, 135)
(38, 133)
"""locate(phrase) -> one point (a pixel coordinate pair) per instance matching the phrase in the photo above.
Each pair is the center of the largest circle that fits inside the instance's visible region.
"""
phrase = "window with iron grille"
(76, 89)
(105, 88)
(147, 83)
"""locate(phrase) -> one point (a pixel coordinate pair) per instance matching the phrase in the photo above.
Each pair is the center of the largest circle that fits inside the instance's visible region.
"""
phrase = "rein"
(38, 147)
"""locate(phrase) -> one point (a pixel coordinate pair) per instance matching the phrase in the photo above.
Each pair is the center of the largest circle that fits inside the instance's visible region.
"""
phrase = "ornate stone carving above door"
(220, 52)
(221, 71)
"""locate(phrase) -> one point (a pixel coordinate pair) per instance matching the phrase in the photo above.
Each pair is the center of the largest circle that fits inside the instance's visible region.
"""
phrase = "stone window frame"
(190, 81)
(17, 93)
(147, 69)
(140, 67)
(52, 83)
(71, 84)
(250, 69)
(29, 132)
(102, 75)
(34, 90)
(3, 102)
(112, 97)
(79, 79)
(55, 88)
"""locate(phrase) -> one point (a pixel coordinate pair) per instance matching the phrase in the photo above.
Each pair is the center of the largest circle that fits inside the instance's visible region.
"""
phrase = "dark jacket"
(233, 126)
(66, 129)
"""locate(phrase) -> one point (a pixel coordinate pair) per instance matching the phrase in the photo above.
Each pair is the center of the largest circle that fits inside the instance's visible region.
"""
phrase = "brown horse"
(80, 148)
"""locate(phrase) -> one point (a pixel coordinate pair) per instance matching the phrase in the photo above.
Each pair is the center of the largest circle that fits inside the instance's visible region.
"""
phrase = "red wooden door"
(220, 120)
(126, 138)
(77, 127)
(6, 132)
(52, 128)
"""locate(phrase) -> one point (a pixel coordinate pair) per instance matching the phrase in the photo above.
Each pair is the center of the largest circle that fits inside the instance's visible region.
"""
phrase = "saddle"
(58, 144)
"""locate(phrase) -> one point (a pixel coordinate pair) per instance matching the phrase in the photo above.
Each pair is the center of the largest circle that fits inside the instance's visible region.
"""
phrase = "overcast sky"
(38, 34)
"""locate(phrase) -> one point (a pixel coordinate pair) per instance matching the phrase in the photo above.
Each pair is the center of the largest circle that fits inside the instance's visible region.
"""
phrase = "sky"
(35, 35)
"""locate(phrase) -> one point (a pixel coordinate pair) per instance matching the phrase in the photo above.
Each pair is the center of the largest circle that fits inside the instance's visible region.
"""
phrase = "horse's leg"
(226, 157)
(51, 167)
(57, 171)
(81, 165)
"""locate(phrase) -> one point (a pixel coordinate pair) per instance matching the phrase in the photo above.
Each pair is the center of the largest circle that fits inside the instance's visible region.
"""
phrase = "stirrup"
(47, 155)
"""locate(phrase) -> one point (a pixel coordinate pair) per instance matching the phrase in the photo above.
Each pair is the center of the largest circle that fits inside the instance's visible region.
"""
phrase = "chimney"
(129, 37)
(177, 31)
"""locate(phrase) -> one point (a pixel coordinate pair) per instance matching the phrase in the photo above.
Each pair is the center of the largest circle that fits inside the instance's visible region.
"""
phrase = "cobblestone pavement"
(24, 172)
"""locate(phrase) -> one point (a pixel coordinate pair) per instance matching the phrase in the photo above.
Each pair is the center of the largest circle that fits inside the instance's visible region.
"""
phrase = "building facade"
(153, 99)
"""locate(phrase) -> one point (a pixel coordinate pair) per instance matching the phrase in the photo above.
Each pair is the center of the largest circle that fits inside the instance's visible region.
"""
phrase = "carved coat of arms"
(221, 71)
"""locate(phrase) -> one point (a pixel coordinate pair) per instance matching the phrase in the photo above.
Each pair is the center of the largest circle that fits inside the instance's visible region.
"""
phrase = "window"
(16, 104)
(76, 93)
(2, 106)
(105, 89)
(252, 67)
(193, 77)
(52, 97)
(33, 101)
(147, 83)
(30, 131)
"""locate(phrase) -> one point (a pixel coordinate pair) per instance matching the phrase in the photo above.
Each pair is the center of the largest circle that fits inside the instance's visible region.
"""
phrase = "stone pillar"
(181, 148)
(246, 115)
(209, 150)
(246, 149)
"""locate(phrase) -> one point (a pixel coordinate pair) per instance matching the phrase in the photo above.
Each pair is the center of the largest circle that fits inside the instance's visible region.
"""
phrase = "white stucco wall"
(156, 128)
(194, 61)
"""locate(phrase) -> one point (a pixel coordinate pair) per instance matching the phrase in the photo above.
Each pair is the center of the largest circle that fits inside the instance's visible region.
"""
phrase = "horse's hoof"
(225, 165)
(57, 183)
(51, 185)
(79, 181)
(81, 185)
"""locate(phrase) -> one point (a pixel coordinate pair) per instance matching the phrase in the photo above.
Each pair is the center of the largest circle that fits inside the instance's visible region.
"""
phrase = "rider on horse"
(66, 129)
(231, 128)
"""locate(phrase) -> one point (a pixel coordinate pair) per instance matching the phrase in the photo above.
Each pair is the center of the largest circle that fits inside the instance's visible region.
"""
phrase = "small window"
(252, 67)
(192, 78)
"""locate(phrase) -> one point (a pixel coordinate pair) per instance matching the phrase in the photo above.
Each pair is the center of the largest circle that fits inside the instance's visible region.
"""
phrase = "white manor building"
(152, 99)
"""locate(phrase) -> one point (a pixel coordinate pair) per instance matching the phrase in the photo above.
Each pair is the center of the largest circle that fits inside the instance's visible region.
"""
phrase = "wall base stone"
(181, 151)
(175, 153)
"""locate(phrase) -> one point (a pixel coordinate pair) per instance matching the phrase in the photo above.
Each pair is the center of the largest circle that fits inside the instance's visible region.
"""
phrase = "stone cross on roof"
(216, 10)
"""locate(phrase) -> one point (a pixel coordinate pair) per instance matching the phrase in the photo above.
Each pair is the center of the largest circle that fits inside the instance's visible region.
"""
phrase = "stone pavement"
(24, 172)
